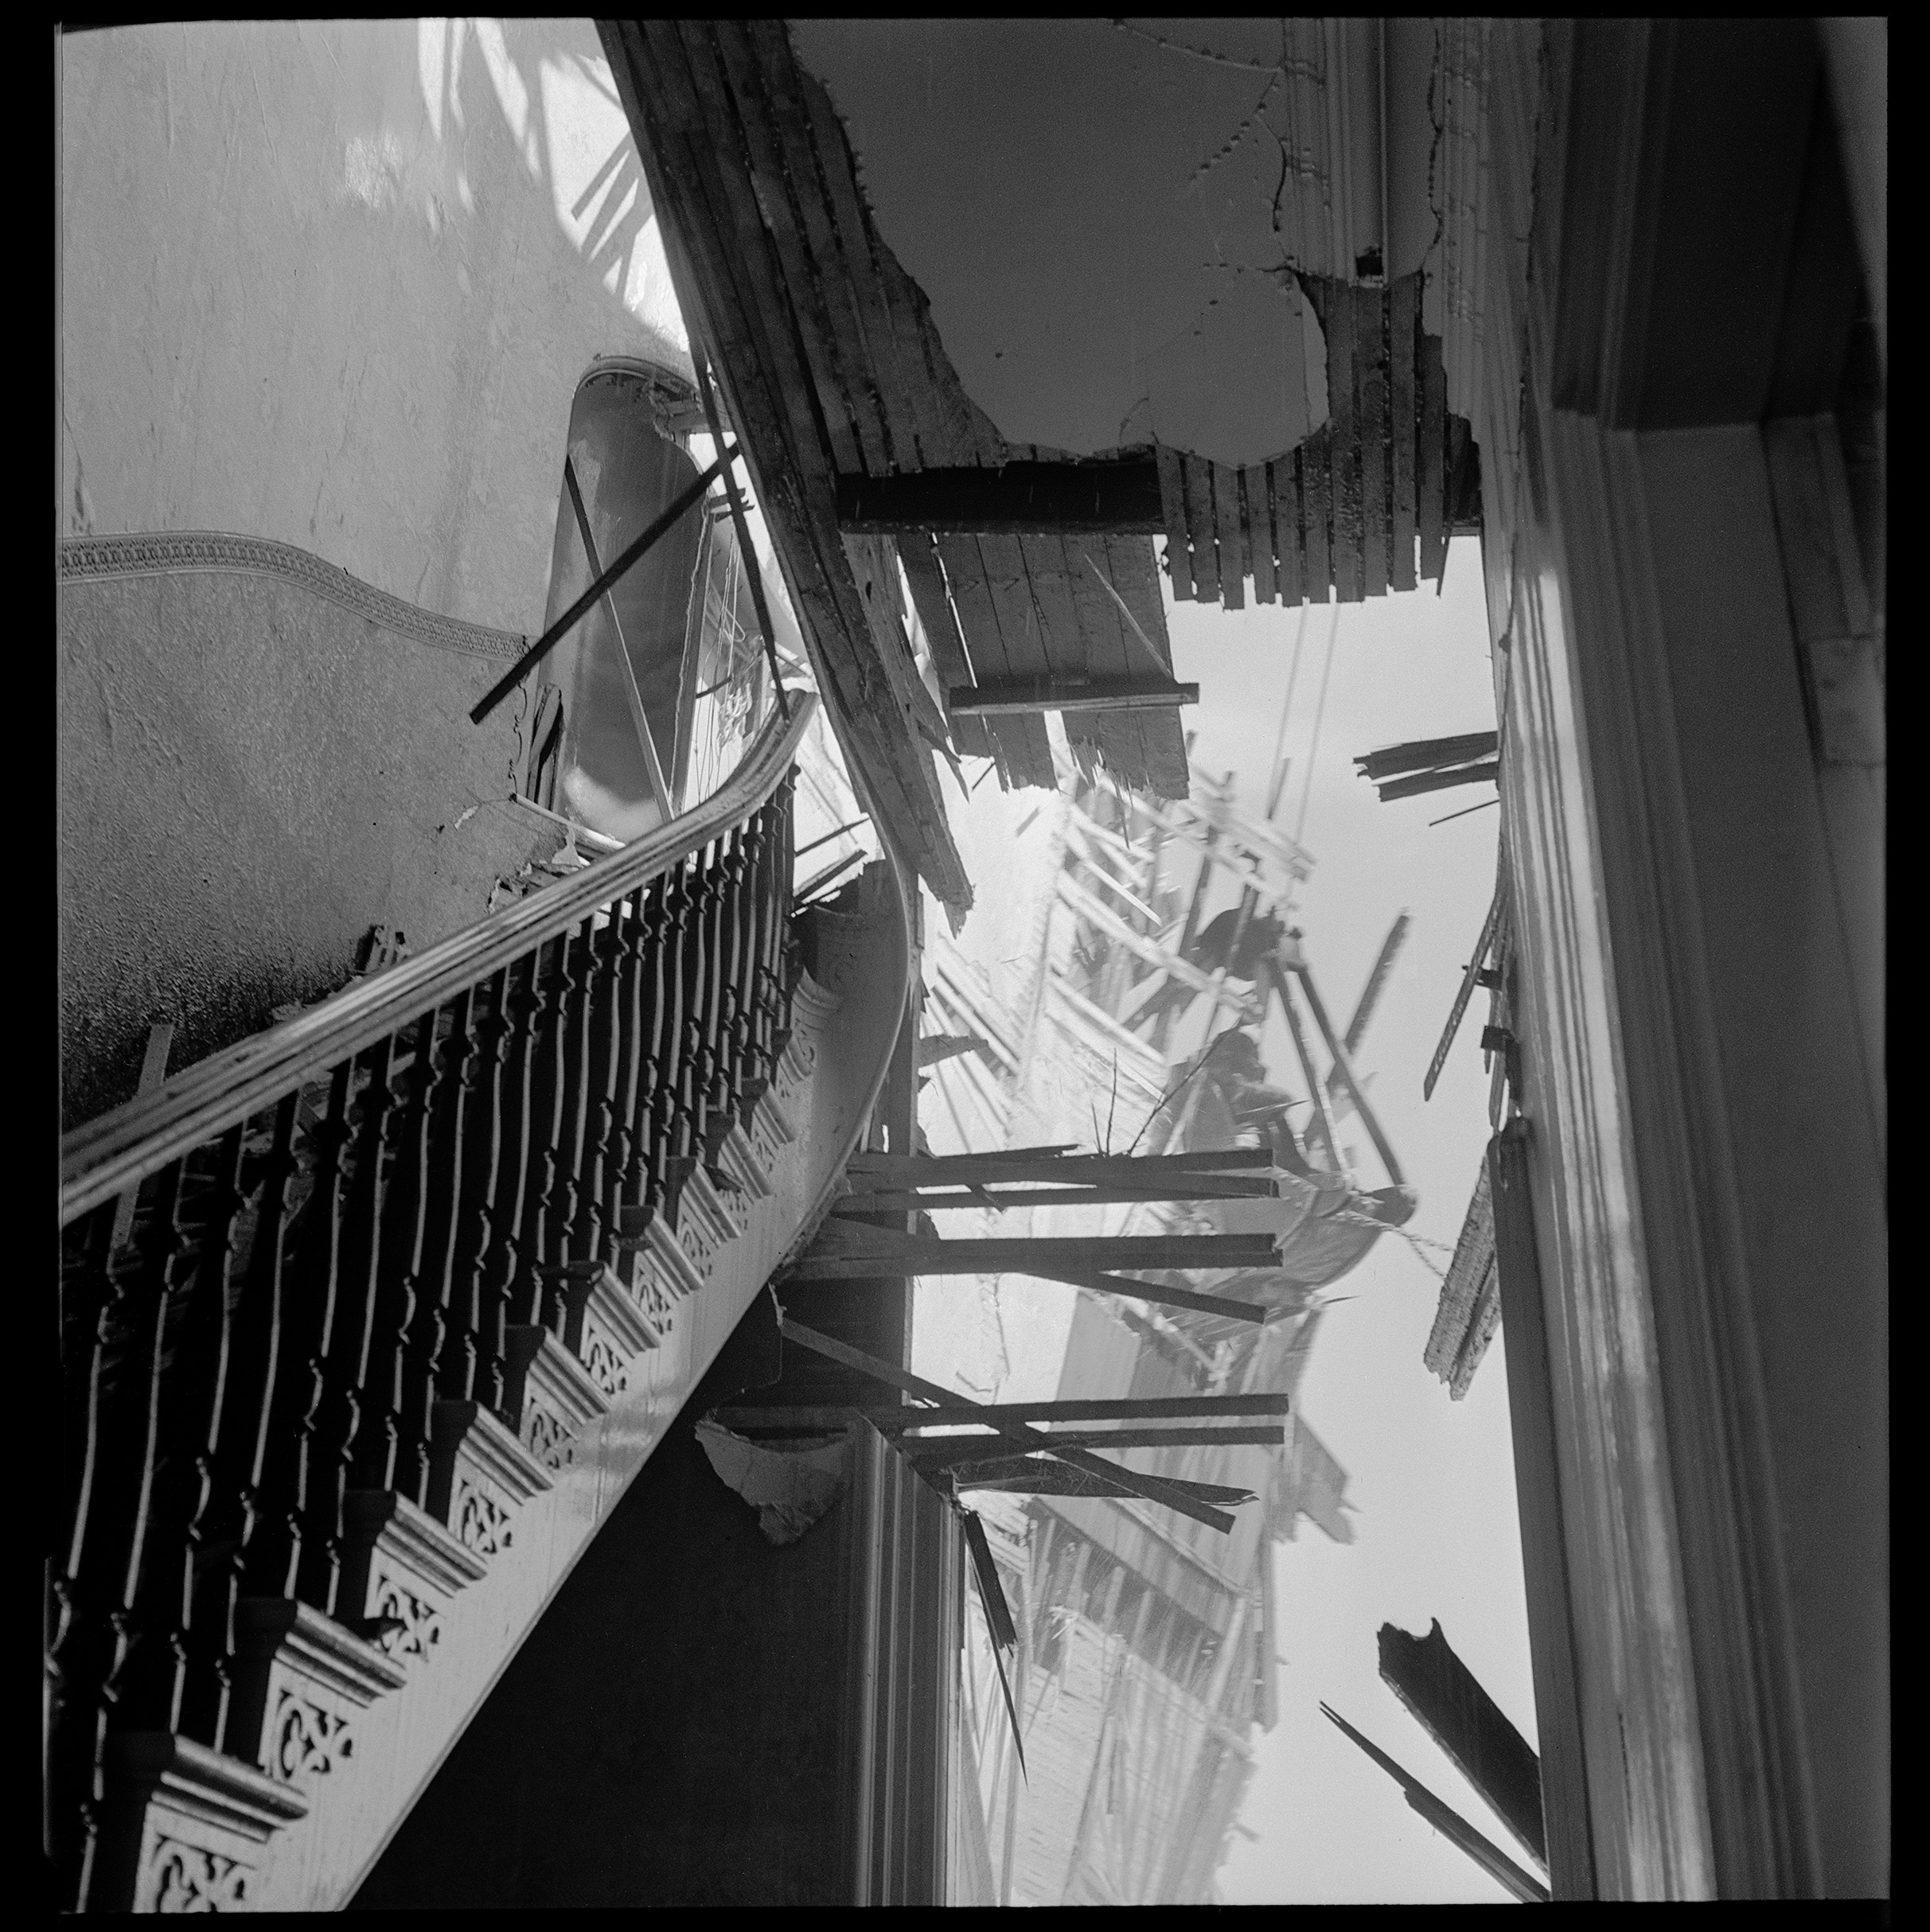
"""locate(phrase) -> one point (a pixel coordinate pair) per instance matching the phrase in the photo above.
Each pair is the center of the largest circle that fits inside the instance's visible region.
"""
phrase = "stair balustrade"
(382, 1258)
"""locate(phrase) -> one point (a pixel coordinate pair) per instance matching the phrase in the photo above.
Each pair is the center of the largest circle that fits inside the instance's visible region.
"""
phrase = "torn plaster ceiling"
(1101, 221)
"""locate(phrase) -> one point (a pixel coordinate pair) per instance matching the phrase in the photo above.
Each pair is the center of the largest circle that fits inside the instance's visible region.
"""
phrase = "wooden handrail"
(106, 1156)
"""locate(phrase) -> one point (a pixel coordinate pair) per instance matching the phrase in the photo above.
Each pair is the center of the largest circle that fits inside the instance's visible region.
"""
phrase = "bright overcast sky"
(1431, 1479)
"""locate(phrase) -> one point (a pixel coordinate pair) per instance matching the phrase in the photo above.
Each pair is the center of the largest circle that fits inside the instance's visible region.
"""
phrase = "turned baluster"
(622, 1163)
(235, 1507)
(706, 961)
(774, 902)
(472, 1359)
(599, 1076)
(670, 1034)
(391, 1450)
(760, 923)
(727, 1088)
(510, 1286)
(554, 1117)
(307, 1305)
(341, 1417)
(191, 1337)
(96, 1304)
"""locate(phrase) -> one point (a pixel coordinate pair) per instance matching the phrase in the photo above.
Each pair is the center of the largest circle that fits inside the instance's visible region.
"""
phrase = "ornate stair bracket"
(480, 1475)
(185, 1828)
(738, 1161)
(401, 1570)
(606, 1330)
(552, 1395)
(301, 1682)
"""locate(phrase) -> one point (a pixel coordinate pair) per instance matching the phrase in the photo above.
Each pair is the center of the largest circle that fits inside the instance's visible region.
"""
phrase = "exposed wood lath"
(1344, 514)
(754, 172)
(725, 220)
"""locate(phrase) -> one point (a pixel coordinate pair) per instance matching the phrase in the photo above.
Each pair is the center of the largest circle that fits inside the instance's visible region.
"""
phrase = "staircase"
(411, 1285)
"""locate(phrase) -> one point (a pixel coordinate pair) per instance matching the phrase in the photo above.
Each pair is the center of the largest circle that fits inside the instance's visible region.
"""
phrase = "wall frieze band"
(152, 553)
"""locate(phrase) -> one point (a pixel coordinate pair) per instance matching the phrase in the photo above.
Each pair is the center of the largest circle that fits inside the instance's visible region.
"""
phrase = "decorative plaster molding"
(480, 1476)
(401, 1570)
(302, 1682)
(552, 1393)
(172, 552)
(185, 1828)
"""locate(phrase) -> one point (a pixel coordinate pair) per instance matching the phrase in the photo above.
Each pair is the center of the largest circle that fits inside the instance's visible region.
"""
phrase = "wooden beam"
(860, 1266)
(1041, 1476)
(999, 695)
(956, 1409)
(1052, 1164)
(1450, 1823)
(1316, 1090)
(1339, 1053)
(1001, 1255)
(880, 1199)
(1172, 499)
(1020, 499)
(1249, 1434)
(1454, 1709)
(1412, 786)
(1152, 1489)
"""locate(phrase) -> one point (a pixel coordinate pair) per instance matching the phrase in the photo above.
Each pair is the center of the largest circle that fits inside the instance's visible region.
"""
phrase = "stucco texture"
(336, 284)
(250, 777)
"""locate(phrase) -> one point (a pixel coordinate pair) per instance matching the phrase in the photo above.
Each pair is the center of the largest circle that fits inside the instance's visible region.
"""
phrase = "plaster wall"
(250, 777)
(335, 283)
(1107, 218)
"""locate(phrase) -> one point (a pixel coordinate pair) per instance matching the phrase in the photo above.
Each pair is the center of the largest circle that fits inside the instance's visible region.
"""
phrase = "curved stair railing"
(298, 1375)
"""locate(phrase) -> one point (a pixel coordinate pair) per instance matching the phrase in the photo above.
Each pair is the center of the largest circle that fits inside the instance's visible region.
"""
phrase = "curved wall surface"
(335, 283)
(259, 759)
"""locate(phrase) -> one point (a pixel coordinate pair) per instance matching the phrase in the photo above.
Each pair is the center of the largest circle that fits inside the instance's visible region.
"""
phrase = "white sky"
(1432, 1479)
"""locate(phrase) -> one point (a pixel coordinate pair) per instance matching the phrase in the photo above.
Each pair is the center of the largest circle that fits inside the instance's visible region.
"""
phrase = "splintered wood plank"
(791, 474)
(1317, 489)
(1048, 570)
(1371, 340)
(1111, 652)
(1343, 444)
(771, 186)
(933, 427)
(717, 162)
(918, 553)
(1433, 435)
(1172, 504)
(1404, 300)
(1200, 524)
(1256, 489)
(964, 433)
(997, 619)
(874, 565)
(746, 48)
(1158, 747)
(895, 377)
(1283, 479)
(1232, 537)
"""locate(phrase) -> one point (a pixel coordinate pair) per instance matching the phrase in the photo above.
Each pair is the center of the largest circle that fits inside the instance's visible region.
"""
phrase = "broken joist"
(850, 1251)
(817, 1418)
(1150, 1489)
(1004, 696)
